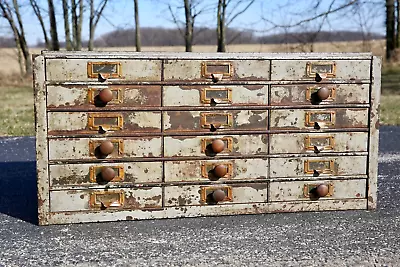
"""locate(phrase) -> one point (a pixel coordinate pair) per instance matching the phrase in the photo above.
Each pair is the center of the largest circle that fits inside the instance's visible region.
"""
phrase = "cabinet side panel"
(41, 139)
(374, 132)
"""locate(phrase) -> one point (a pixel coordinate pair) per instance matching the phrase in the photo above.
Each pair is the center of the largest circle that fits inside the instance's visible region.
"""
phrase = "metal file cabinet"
(127, 136)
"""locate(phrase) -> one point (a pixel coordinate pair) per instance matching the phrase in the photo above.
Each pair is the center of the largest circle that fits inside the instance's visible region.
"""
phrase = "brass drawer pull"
(317, 167)
(105, 122)
(322, 69)
(94, 96)
(97, 174)
(315, 191)
(215, 194)
(317, 144)
(319, 94)
(318, 119)
(104, 69)
(216, 120)
(214, 171)
(216, 70)
(216, 96)
(95, 149)
(109, 199)
(217, 145)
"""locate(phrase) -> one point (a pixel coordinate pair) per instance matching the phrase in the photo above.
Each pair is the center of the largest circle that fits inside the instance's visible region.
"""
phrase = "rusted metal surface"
(316, 143)
(297, 69)
(342, 189)
(194, 170)
(77, 70)
(303, 94)
(318, 166)
(325, 119)
(179, 121)
(215, 95)
(192, 70)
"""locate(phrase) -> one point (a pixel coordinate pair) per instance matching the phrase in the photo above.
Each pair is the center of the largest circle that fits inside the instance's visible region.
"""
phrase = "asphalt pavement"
(338, 238)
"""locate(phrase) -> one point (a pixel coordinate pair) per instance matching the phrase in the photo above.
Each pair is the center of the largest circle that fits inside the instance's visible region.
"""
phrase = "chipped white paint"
(190, 195)
(136, 95)
(294, 167)
(255, 69)
(145, 119)
(143, 147)
(295, 142)
(67, 121)
(65, 96)
(184, 171)
(359, 117)
(78, 200)
(79, 174)
(342, 189)
(175, 96)
(76, 69)
(296, 69)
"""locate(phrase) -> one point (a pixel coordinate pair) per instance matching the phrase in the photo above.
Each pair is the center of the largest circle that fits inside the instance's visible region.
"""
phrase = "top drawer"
(102, 70)
(352, 70)
(216, 70)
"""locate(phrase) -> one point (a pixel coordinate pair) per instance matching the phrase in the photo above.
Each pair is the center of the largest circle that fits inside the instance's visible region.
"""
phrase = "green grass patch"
(16, 111)
(390, 109)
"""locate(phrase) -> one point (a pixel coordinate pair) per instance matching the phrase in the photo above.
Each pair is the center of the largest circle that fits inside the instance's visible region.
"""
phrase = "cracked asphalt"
(338, 238)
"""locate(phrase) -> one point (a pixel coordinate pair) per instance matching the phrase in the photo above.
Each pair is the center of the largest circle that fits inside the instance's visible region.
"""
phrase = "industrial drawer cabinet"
(127, 136)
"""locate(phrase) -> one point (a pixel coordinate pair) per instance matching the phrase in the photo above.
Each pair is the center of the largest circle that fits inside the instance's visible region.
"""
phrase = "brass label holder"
(206, 167)
(218, 120)
(93, 144)
(328, 166)
(206, 190)
(107, 199)
(223, 68)
(312, 117)
(328, 69)
(227, 140)
(206, 99)
(94, 125)
(95, 170)
(328, 141)
(308, 187)
(105, 69)
(117, 95)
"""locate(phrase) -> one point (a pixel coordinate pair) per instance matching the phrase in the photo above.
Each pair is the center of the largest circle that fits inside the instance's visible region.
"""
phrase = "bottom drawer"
(194, 195)
(314, 190)
(92, 200)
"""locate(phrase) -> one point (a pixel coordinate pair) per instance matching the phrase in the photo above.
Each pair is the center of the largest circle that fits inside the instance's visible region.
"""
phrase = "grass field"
(16, 110)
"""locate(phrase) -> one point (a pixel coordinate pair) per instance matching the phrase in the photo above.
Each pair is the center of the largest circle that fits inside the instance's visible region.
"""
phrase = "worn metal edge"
(374, 133)
(41, 139)
(214, 210)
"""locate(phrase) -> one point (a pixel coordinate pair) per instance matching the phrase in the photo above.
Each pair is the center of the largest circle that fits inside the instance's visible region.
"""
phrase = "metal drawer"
(303, 190)
(188, 146)
(106, 200)
(307, 94)
(350, 70)
(195, 195)
(126, 174)
(318, 166)
(89, 148)
(230, 95)
(112, 123)
(87, 97)
(318, 142)
(206, 170)
(338, 118)
(215, 121)
(212, 70)
(71, 70)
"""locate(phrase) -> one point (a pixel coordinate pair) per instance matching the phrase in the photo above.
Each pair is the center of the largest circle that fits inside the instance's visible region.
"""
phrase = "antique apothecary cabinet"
(127, 136)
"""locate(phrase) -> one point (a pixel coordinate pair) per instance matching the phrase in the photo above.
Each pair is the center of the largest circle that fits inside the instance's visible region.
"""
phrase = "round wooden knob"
(107, 174)
(218, 195)
(323, 93)
(217, 145)
(322, 190)
(220, 171)
(106, 148)
(106, 95)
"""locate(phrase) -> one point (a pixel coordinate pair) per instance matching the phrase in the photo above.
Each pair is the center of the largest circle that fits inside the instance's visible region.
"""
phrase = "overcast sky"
(155, 13)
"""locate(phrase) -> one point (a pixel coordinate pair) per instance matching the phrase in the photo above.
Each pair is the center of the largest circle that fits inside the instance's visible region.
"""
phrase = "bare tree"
(67, 31)
(55, 45)
(38, 13)
(138, 41)
(390, 29)
(10, 14)
(95, 14)
(77, 21)
(225, 18)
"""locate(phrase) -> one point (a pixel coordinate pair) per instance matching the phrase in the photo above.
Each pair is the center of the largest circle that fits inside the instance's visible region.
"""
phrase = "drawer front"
(89, 148)
(218, 121)
(185, 146)
(327, 69)
(216, 70)
(215, 95)
(83, 96)
(309, 94)
(318, 166)
(97, 200)
(318, 143)
(93, 174)
(90, 69)
(206, 170)
(340, 118)
(196, 195)
(64, 123)
(303, 190)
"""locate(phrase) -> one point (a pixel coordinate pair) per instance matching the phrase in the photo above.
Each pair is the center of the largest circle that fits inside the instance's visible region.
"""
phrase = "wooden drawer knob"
(321, 190)
(218, 195)
(323, 93)
(220, 171)
(107, 174)
(217, 146)
(106, 95)
(106, 147)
